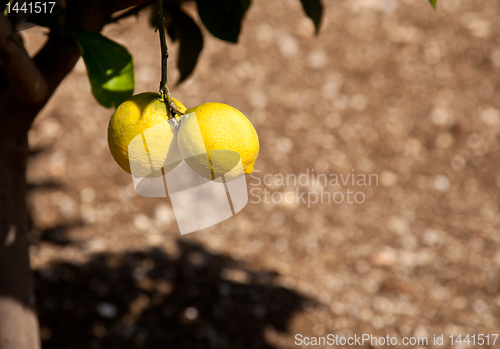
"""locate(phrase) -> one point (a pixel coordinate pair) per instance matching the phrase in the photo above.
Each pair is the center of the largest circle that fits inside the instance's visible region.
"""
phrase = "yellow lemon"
(214, 137)
(140, 137)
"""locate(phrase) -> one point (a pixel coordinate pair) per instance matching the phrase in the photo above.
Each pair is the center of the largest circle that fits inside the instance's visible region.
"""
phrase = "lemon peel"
(141, 138)
(214, 137)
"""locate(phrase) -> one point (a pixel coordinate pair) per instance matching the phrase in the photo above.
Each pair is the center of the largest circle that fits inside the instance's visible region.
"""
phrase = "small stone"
(265, 33)
(164, 215)
(288, 46)
(385, 257)
(67, 206)
(479, 28)
(277, 219)
(87, 195)
(317, 59)
(441, 116)
(142, 222)
(442, 183)
(284, 145)
(154, 239)
(95, 245)
(420, 331)
(235, 275)
(305, 28)
(258, 99)
(107, 310)
(331, 88)
(57, 164)
(359, 102)
(388, 178)
(457, 163)
(444, 141)
(480, 306)
(476, 141)
(431, 237)
(50, 128)
(341, 101)
(495, 58)
(333, 120)
(398, 225)
(191, 313)
(319, 329)
(362, 266)
(491, 116)
(459, 303)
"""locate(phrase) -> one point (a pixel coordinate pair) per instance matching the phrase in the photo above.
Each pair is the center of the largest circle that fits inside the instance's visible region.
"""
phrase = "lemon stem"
(167, 97)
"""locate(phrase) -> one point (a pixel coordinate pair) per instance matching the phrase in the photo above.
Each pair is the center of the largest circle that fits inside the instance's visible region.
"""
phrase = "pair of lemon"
(212, 138)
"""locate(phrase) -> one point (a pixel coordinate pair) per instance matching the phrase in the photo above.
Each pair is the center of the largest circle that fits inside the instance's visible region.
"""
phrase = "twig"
(167, 97)
(21, 72)
(119, 5)
(133, 11)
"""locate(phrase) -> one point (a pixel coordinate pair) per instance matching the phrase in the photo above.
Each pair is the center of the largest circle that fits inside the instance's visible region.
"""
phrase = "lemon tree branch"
(130, 12)
(167, 97)
(119, 5)
(22, 74)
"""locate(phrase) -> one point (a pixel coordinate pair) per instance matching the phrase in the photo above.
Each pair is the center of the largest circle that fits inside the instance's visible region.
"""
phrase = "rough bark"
(18, 322)
(19, 327)
(25, 87)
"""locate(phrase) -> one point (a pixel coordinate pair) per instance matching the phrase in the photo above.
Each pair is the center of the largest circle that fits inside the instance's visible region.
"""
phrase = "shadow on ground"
(152, 300)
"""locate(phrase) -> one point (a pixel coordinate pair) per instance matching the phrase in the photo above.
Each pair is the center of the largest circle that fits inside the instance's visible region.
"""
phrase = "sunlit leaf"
(433, 3)
(110, 68)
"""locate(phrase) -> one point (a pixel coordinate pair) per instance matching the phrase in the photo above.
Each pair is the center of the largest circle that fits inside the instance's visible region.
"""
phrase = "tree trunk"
(18, 322)
(19, 327)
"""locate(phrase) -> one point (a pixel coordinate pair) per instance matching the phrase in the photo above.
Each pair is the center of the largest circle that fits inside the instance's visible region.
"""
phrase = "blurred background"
(389, 88)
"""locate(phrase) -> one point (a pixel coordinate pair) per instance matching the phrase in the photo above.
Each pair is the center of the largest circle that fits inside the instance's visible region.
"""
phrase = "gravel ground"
(389, 91)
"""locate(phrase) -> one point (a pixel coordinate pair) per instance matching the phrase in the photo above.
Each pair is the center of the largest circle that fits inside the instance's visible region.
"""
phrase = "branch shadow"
(149, 299)
(45, 185)
(56, 235)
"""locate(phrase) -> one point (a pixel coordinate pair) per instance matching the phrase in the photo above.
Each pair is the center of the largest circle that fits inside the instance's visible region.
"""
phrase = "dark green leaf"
(110, 68)
(223, 17)
(172, 31)
(3, 5)
(154, 16)
(313, 10)
(190, 38)
(433, 3)
(154, 20)
(52, 20)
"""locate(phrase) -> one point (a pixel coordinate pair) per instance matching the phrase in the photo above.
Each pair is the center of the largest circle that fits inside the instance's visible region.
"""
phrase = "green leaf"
(110, 68)
(434, 4)
(313, 10)
(3, 5)
(190, 38)
(223, 17)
